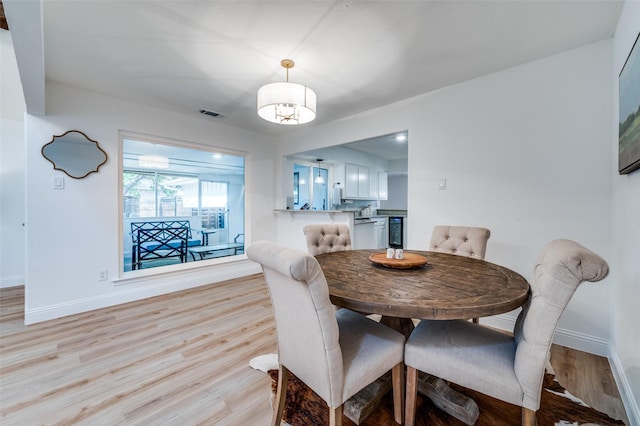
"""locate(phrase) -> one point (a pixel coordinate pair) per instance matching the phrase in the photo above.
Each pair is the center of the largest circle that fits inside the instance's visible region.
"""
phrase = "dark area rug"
(305, 408)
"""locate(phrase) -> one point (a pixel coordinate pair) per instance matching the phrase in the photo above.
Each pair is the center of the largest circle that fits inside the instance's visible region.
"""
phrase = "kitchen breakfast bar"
(367, 232)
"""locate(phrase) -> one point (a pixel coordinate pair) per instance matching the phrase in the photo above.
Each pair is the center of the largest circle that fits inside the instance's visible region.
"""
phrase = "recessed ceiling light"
(217, 156)
(401, 137)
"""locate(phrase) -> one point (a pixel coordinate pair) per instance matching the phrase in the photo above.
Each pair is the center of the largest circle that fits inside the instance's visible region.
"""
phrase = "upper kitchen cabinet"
(383, 185)
(364, 183)
(358, 182)
(351, 181)
(373, 187)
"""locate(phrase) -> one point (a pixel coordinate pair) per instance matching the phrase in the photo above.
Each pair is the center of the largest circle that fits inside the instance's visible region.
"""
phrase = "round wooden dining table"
(447, 286)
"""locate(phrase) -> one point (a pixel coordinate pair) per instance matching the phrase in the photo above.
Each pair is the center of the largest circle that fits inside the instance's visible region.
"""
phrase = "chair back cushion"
(560, 268)
(306, 325)
(326, 238)
(460, 240)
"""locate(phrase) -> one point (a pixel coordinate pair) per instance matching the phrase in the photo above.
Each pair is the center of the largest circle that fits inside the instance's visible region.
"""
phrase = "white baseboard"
(624, 387)
(503, 322)
(582, 342)
(16, 280)
(571, 339)
(150, 288)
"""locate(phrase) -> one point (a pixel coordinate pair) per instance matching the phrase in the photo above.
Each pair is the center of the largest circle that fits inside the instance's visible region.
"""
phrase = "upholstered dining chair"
(327, 237)
(336, 354)
(509, 368)
(461, 240)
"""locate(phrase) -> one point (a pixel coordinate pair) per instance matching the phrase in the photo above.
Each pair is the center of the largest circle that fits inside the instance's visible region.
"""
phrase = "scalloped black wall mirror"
(75, 154)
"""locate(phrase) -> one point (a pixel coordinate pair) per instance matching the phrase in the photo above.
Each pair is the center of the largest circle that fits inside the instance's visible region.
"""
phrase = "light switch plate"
(58, 182)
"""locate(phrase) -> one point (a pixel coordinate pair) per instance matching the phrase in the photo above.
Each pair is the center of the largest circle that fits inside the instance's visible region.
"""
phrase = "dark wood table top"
(447, 287)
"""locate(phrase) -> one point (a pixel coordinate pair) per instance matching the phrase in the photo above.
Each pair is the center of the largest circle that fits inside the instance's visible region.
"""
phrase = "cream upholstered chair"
(509, 368)
(334, 353)
(327, 237)
(460, 240)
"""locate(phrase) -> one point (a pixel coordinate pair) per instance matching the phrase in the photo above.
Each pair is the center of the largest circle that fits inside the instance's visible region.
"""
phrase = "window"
(180, 204)
(309, 193)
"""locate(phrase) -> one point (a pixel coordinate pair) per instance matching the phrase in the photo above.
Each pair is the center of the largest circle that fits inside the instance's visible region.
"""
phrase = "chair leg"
(335, 416)
(476, 320)
(397, 376)
(528, 417)
(412, 394)
(281, 394)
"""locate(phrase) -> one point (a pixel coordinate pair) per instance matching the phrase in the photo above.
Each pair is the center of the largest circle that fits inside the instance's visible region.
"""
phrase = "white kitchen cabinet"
(383, 185)
(380, 232)
(363, 235)
(364, 182)
(374, 184)
(357, 182)
(370, 233)
(351, 181)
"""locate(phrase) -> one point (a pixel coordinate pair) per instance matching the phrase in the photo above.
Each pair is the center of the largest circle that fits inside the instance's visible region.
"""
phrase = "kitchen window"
(309, 191)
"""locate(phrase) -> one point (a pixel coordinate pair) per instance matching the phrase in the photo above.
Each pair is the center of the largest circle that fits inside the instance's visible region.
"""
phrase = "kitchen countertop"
(354, 212)
(312, 211)
(363, 221)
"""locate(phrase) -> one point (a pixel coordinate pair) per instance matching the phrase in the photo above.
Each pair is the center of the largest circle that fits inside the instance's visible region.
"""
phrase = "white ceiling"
(388, 147)
(385, 147)
(356, 55)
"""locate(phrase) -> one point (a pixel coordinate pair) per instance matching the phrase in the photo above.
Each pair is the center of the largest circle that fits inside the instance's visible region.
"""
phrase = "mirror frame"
(91, 168)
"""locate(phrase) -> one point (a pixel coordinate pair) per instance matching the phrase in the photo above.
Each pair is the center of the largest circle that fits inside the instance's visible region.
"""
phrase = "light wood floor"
(178, 359)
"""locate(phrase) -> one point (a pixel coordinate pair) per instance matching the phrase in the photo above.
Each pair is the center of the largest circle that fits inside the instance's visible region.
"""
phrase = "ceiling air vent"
(211, 113)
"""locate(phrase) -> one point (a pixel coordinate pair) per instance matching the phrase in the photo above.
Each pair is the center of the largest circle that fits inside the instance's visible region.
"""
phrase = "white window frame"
(130, 276)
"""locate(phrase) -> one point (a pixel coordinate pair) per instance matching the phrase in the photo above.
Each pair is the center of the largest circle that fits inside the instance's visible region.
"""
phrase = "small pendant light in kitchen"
(319, 179)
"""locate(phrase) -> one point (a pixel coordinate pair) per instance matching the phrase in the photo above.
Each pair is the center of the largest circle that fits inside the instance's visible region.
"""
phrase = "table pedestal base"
(403, 325)
(361, 405)
(448, 400)
(460, 406)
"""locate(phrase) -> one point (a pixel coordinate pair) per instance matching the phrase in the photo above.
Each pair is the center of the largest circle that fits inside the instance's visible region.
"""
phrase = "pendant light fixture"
(319, 179)
(287, 103)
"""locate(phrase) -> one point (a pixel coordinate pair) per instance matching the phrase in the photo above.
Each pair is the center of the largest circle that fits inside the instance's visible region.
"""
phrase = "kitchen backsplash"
(390, 212)
(358, 205)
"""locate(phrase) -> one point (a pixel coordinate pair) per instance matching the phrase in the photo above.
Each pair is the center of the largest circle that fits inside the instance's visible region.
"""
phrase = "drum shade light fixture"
(287, 103)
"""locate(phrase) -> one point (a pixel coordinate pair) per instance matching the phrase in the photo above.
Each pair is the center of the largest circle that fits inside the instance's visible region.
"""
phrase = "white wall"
(625, 265)
(397, 199)
(526, 153)
(12, 210)
(73, 233)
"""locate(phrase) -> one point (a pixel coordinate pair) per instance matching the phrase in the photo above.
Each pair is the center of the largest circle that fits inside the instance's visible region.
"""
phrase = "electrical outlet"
(103, 275)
